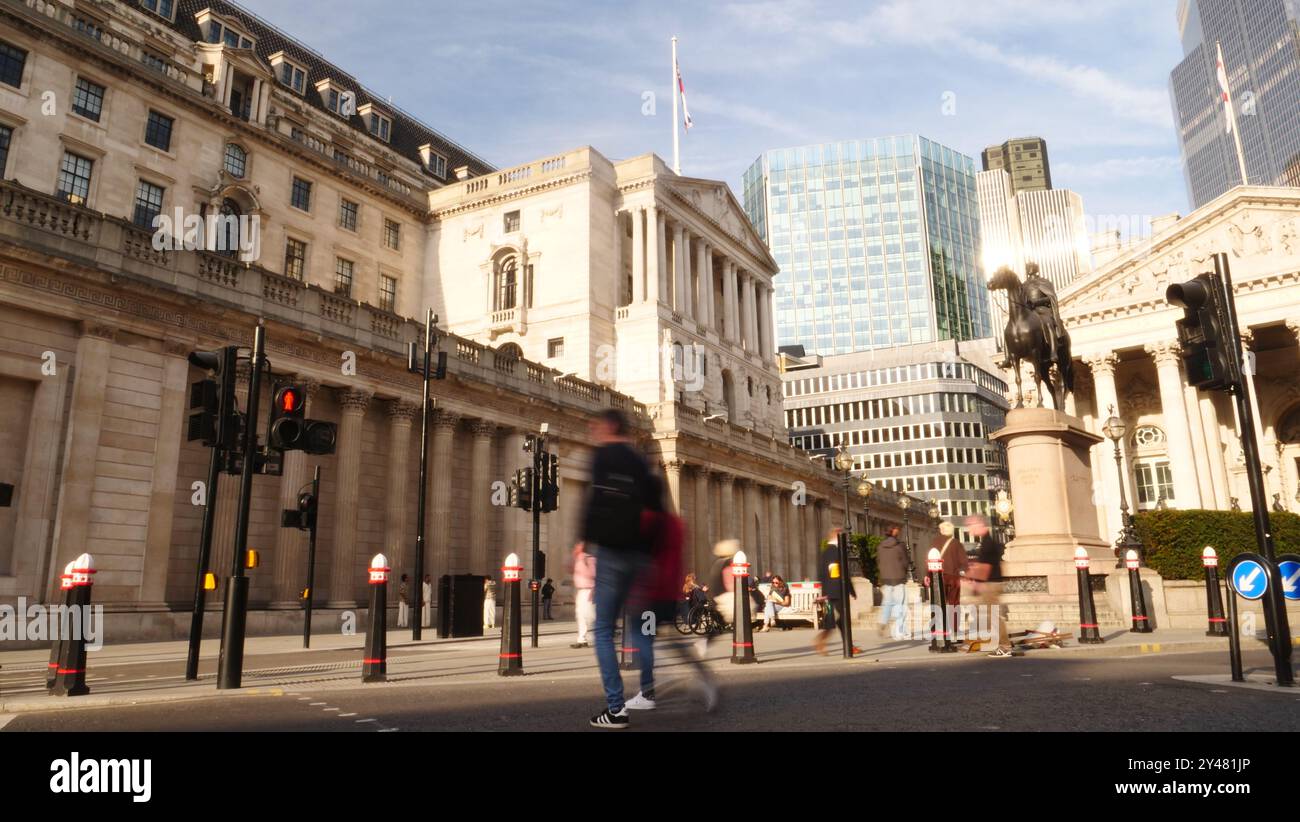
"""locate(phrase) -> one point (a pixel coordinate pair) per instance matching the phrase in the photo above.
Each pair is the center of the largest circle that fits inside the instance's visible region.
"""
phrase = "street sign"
(1288, 565)
(1249, 577)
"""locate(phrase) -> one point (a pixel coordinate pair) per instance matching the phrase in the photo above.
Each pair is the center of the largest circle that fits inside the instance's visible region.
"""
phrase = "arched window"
(1147, 436)
(505, 283)
(236, 161)
(512, 351)
(228, 228)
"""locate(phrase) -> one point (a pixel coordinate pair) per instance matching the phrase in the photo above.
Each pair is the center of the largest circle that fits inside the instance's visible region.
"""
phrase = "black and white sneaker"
(607, 719)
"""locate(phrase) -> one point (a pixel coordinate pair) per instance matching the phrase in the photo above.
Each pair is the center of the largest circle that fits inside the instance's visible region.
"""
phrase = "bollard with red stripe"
(1089, 630)
(1213, 594)
(56, 645)
(742, 631)
(934, 565)
(70, 675)
(374, 666)
(510, 661)
(627, 658)
(1141, 621)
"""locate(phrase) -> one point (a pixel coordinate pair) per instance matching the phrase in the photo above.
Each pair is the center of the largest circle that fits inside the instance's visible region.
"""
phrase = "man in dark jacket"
(829, 574)
(622, 488)
(891, 560)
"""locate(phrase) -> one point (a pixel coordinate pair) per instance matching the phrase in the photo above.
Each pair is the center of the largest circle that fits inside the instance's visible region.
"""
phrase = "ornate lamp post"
(905, 502)
(1003, 507)
(844, 463)
(865, 487)
(1115, 429)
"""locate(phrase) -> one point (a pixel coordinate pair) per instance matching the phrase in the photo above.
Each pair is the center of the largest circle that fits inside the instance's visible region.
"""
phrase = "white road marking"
(367, 720)
(318, 704)
(354, 713)
(303, 698)
(329, 709)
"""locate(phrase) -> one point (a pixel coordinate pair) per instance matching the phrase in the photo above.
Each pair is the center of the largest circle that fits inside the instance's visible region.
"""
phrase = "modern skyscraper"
(1261, 54)
(1044, 227)
(877, 240)
(1025, 159)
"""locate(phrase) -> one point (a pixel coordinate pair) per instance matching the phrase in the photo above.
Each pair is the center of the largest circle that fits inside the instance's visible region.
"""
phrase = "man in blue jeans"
(622, 489)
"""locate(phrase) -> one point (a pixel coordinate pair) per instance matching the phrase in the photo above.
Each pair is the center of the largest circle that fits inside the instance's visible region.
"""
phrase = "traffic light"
(288, 423)
(304, 516)
(521, 489)
(551, 484)
(216, 419)
(1209, 353)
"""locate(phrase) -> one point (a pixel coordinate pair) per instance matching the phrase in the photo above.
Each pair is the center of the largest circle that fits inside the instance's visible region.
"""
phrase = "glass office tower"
(1261, 53)
(878, 243)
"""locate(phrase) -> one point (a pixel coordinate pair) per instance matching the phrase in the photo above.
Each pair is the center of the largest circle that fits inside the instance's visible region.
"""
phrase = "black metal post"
(70, 676)
(934, 564)
(742, 631)
(56, 647)
(1275, 618)
(1234, 638)
(1138, 600)
(1213, 594)
(540, 463)
(374, 665)
(205, 557)
(846, 610)
(1127, 536)
(418, 622)
(231, 662)
(627, 652)
(1089, 630)
(311, 560)
(510, 660)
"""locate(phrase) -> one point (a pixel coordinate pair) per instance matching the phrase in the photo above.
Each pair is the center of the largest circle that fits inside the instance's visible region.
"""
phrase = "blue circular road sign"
(1288, 565)
(1250, 578)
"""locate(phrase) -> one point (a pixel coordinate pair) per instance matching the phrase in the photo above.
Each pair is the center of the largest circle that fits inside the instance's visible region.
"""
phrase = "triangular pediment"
(716, 202)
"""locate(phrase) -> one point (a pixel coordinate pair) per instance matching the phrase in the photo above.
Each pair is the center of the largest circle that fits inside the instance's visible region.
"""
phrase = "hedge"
(1174, 539)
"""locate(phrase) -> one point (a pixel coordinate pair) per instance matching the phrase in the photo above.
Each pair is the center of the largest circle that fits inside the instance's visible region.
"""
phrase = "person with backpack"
(622, 490)
(548, 594)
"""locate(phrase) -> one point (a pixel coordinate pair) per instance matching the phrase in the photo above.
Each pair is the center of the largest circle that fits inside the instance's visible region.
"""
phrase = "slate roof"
(407, 134)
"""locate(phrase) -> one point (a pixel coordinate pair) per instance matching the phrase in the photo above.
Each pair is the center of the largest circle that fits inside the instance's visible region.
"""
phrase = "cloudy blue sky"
(514, 80)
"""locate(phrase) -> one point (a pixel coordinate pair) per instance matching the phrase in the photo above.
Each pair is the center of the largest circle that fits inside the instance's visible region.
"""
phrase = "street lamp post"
(1128, 539)
(844, 463)
(865, 488)
(1003, 507)
(905, 502)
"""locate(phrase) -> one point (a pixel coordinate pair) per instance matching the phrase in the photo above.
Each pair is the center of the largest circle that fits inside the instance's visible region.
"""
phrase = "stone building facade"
(353, 237)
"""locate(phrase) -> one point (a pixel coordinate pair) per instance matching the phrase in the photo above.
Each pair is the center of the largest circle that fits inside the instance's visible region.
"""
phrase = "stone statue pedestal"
(1048, 458)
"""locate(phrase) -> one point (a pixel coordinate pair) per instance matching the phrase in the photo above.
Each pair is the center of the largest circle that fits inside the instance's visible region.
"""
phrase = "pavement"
(139, 674)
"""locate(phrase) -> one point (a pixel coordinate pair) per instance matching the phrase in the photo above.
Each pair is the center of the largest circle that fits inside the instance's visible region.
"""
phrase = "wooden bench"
(803, 605)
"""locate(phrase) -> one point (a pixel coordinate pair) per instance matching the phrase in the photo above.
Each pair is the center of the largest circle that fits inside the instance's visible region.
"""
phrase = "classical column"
(778, 555)
(753, 519)
(706, 288)
(1200, 449)
(730, 331)
(346, 568)
(639, 289)
(1209, 412)
(727, 523)
(1266, 457)
(438, 508)
(794, 549)
(699, 525)
(399, 549)
(673, 476)
(662, 258)
(679, 269)
(1107, 397)
(162, 488)
(700, 292)
(1182, 462)
(747, 308)
(290, 543)
(480, 495)
(653, 243)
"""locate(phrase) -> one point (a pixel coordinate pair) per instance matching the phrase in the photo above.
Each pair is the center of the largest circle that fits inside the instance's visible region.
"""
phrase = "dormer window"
(379, 124)
(162, 8)
(219, 31)
(289, 73)
(338, 100)
(434, 162)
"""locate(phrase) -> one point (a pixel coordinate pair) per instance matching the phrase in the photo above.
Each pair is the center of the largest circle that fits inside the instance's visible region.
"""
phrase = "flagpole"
(677, 159)
(1232, 115)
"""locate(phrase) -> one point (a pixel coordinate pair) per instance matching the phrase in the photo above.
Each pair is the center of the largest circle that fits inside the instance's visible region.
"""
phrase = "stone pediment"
(714, 201)
(1260, 241)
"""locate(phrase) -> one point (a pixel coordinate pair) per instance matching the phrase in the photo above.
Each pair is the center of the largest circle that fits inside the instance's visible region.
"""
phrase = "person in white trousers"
(403, 605)
(426, 608)
(584, 582)
(489, 603)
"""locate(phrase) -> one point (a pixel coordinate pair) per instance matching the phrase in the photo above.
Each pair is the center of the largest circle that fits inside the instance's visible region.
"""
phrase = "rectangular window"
(295, 258)
(343, 277)
(380, 126)
(387, 294)
(148, 204)
(392, 234)
(88, 99)
(555, 348)
(293, 77)
(74, 178)
(348, 214)
(6, 134)
(512, 221)
(438, 165)
(158, 131)
(12, 61)
(162, 8)
(301, 197)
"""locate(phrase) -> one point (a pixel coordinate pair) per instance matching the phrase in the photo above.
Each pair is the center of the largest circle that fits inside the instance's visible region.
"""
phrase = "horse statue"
(1035, 333)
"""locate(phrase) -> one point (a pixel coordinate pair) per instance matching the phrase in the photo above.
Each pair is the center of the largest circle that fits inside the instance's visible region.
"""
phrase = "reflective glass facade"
(1261, 52)
(877, 240)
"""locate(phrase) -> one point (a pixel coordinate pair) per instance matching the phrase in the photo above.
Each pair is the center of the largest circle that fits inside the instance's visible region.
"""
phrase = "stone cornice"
(499, 197)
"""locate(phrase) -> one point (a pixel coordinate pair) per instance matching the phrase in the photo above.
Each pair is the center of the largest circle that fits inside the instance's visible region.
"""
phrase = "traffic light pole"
(205, 556)
(418, 622)
(231, 663)
(1279, 631)
(540, 461)
(311, 559)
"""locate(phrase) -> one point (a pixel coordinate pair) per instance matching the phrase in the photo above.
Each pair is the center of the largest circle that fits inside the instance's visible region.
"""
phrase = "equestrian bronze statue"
(1035, 333)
